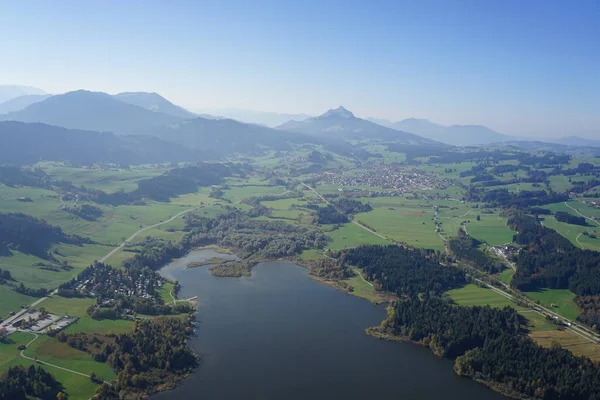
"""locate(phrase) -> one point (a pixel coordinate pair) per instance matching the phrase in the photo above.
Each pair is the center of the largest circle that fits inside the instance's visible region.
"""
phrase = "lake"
(281, 335)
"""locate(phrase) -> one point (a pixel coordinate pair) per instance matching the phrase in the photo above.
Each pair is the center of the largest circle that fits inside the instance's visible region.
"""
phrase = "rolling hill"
(94, 111)
(225, 136)
(341, 123)
(23, 143)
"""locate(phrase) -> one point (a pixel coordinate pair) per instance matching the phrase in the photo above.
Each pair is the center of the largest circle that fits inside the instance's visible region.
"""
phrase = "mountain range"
(340, 123)
(266, 118)
(94, 111)
(458, 135)
(21, 102)
(8, 92)
(154, 102)
(140, 113)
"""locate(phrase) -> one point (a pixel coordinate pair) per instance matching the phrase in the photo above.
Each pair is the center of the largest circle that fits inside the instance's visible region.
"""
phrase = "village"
(395, 177)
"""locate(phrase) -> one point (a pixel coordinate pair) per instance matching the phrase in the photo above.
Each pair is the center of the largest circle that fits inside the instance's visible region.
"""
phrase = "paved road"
(45, 363)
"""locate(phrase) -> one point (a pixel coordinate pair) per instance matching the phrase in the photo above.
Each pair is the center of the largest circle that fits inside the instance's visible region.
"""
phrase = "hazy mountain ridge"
(536, 145)
(8, 92)
(266, 118)
(341, 123)
(94, 111)
(458, 135)
(21, 102)
(154, 102)
(576, 141)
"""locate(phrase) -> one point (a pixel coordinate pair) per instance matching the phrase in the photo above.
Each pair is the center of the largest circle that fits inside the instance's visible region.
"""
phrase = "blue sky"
(526, 67)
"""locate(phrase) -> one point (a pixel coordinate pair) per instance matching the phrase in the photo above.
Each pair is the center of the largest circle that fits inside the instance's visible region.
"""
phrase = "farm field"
(567, 340)
(108, 180)
(87, 324)
(413, 226)
(50, 350)
(76, 386)
(575, 233)
(506, 275)
(560, 183)
(352, 235)
(562, 298)
(312, 254)
(491, 229)
(238, 193)
(71, 306)
(8, 348)
(35, 272)
(12, 301)
(473, 295)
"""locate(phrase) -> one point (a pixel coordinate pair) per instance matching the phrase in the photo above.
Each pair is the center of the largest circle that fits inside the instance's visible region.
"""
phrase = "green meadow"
(561, 298)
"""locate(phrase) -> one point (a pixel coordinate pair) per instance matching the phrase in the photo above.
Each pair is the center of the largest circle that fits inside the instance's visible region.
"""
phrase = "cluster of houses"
(393, 177)
(119, 287)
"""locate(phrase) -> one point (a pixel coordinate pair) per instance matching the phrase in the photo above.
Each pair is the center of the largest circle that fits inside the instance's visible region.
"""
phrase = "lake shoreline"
(213, 342)
(376, 332)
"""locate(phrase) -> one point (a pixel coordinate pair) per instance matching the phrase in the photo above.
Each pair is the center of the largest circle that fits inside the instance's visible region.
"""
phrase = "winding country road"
(46, 363)
(584, 216)
(136, 234)
(351, 220)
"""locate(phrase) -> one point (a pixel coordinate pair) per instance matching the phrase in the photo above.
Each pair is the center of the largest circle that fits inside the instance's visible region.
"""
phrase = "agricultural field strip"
(351, 220)
(592, 337)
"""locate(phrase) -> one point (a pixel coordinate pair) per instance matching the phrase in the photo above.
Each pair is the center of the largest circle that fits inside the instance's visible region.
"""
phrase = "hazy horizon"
(531, 73)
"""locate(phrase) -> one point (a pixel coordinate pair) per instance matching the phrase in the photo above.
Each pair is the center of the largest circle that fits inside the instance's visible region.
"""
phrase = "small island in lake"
(209, 261)
(234, 269)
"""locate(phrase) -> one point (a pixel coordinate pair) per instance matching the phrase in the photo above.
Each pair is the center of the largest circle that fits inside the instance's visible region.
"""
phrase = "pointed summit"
(339, 112)
(341, 124)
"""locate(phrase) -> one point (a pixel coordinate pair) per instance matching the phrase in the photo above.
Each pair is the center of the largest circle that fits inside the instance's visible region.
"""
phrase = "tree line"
(31, 235)
(466, 248)
(25, 383)
(487, 344)
(154, 354)
(404, 270)
(549, 260)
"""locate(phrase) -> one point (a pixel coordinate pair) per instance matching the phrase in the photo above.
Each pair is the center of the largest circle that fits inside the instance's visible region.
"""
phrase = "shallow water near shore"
(281, 335)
